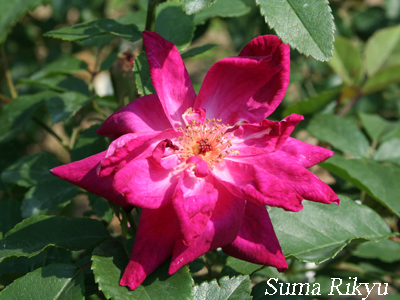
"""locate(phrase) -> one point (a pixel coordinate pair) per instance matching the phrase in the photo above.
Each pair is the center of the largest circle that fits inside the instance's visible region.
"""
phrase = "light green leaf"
(174, 25)
(68, 65)
(109, 262)
(222, 8)
(54, 282)
(382, 79)
(197, 50)
(311, 105)
(305, 25)
(88, 143)
(386, 251)
(12, 11)
(382, 49)
(10, 214)
(193, 6)
(340, 132)
(346, 61)
(86, 30)
(389, 151)
(379, 181)
(320, 231)
(374, 125)
(142, 75)
(59, 83)
(235, 288)
(34, 234)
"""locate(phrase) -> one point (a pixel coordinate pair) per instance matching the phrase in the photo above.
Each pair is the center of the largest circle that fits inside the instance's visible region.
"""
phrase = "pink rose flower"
(203, 168)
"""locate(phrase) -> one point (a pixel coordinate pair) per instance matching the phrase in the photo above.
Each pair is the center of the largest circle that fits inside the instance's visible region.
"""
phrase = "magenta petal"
(169, 77)
(221, 230)
(256, 83)
(257, 242)
(143, 114)
(154, 243)
(83, 173)
(194, 203)
(201, 168)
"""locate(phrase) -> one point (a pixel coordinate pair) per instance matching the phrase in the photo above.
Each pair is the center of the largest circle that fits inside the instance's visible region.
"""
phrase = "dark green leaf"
(86, 30)
(242, 266)
(193, 6)
(109, 262)
(382, 49)
(382, 79)
(64, 106)
(346, 61)
(374, 125)
(340, 132)
(379, 181)
(222, 8)
(320, 231)
(59, 83)
(311, 105)
(174, 25)
(100, 207)
(305, 25)
(386, 251)
(34, 234)
(389, 151)
(12, 11)
(142, 75)
(10, 214)
(197, 50)
(68, 65)
(51, 282)
(227, 288)
(88, 144)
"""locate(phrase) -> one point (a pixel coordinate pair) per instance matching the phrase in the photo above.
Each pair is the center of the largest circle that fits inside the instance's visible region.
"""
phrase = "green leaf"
(193, 6)
(88, 143)
(86, 30)
(305, 25)
(10, 214)
(340, 132)
(346, 61)
(379, 181)
(386, 251)
(222, 8)
(109, 262)
(242, 266)
(174, 25)
(389, 151)
(68, 65)
(100, 207)
(382, 49)
(382, 79)
(311, 105)
(59, 83)
(63, 106)
(197, 50)
(51, 282)
(142, 75)
(374, 125)
(12, 11)
(237, 288)
(34, 234)
(320, 231)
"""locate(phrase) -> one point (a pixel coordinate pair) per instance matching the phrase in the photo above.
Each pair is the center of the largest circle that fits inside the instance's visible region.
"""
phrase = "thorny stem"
(74, 136)
(151, 14)
(208, 266)
(51, 131)
(349, 105)
(97, 108)
(132, 222)
(10, 83)
(94, 72)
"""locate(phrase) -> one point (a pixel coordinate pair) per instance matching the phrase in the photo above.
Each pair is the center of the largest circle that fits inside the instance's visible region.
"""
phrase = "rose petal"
(143, 114)
(256, 83)
(257, 242)
(201, 167)
(169, 77)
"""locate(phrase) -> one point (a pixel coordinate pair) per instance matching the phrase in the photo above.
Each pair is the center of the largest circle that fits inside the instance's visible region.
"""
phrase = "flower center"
(209, 141)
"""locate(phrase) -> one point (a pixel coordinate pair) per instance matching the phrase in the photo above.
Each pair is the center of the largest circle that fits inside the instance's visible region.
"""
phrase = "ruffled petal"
(201, 167)
(250, 139)
(169, 77)
(156, 236)
(256, 83)
(83, 173)
(221, 230)
(194, 202)
(142, 114)
(257, 242)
